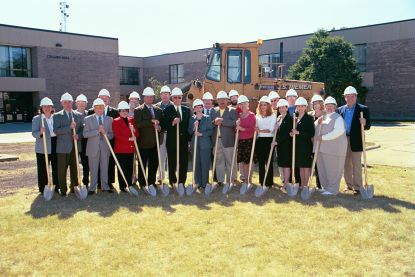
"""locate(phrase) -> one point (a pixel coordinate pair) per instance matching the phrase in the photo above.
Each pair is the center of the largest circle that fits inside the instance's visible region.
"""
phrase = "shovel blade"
(226, 188)
(132, 191)
(305, 193)
(244, 189)
(292, 189)
(370, 191)
(48, 192)
(208, 189)
(259, 191)
(165, 189)
(81, 192)
(180, 189)
(189, 190)
(152, 190)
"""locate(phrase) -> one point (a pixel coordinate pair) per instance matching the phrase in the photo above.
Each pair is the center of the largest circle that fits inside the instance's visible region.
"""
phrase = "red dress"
(122, 133)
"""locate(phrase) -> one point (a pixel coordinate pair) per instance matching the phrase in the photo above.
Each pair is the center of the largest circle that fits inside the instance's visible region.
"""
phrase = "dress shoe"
(109, 191)
(91, 192)
(63, 194)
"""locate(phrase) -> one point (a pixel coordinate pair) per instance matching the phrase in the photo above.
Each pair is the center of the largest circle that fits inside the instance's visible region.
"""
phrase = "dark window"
(359, 53)
(247, 67)
(176, 73)
(234, 66)
(129, 75)
(213, 72)
(269, 65)
(15, 61)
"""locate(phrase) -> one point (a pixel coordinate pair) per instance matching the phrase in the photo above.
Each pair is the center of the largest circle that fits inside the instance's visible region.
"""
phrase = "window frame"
(124, 76)
(176, 79)
(239, 81)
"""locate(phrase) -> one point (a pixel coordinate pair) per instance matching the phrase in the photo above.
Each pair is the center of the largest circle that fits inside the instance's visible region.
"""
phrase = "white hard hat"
(265, 99)
(165, 89)
(66, 97)
(330, 100)
(273, 95)
(148, 91)
(350, 90)
(282, 103)
(123, 106)
(222, 95)
(197, 102)
(316, 97)
(301, 102)
(46, 101)
(176, 92)
(98, 102)
(233, 92)
(291, 92)
(81, 97)
(207, 96)
(104, 92)
(134, 94)
(242, 99)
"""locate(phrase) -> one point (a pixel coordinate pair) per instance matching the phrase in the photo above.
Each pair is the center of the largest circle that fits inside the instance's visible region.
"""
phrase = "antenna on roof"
(63, 7)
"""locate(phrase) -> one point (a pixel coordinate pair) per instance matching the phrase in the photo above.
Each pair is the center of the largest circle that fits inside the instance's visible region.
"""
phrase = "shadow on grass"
(106, 205)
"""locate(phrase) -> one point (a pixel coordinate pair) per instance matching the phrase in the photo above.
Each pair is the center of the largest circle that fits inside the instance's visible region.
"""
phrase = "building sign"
(296, 86)
(57, 57)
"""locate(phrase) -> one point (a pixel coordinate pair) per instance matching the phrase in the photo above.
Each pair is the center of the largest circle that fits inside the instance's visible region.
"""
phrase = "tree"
(330, 60)
(156, 85)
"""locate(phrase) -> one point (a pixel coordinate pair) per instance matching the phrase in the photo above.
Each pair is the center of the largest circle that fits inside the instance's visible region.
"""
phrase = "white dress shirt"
(264, 123)
(49, 122)
(338, 130)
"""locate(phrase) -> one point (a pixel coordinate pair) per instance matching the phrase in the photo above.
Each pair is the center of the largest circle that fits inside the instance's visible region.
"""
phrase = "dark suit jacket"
(355, 129)
(142, 120)
(168, 115)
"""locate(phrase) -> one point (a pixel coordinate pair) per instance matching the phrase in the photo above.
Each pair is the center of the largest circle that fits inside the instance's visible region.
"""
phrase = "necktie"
(178, 113)
(70, 116)
(151, 111)
(100, 120)
(208, 111)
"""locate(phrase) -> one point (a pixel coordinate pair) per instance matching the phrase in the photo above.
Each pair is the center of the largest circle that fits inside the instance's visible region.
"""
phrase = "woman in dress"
(284, 140)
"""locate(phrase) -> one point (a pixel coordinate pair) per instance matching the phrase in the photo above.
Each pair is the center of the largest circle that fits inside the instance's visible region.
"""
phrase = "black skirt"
(244, 151)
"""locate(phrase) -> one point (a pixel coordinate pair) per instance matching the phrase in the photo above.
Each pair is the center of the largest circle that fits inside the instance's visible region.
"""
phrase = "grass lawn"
(119, 235)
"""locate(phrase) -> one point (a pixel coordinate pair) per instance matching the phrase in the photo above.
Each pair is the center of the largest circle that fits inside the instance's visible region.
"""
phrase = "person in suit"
(333, 148)
(105, 96)
(200, 125)
(95, 127)
(209, 110)
(46, 114)
(225, 119)
(163, 104)
(173, 115)
(123, 127)
(64, 122)
(274, 97)
(81, 101)
(147, 117)
(291, 96)
(351, 115)
(284, 140)
(303, 142)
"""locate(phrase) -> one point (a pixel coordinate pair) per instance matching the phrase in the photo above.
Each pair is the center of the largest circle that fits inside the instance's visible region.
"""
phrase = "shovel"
(163, 187)
(179, 187)
(306, 192)
(366, 191)
(227, 188)
(246, 186)
(292, 188)
(192, 187)
(50, 188)
(210, 187)
(80, 190)
(129, 189)
(262, 189)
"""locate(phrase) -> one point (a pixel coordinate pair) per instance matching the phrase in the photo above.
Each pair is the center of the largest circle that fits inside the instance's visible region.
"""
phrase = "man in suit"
(95, 127)
(147, 117)
(105, 96)
(163, 104)
(81, 101)
(224, 118)
(209, 111)
(64, 122)
(174, 115)
(351, 114)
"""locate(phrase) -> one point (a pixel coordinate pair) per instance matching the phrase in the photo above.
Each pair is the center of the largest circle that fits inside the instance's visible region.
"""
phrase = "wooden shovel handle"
(75, 144)
(158, 149)
(194, 160)
(215, 152)
(177, 152)
(45, 150)
(235, 146)
(115, 159)
(362, 127)
(252, 153)
(293, 151)
(270, 156)
(140, 161)
(313, 166)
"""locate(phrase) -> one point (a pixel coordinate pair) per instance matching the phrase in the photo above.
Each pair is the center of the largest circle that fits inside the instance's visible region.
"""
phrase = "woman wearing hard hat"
(246, 125)
(333, 147)
(46, 114)
(284, 140)
(200, 125)
(303, 145)
(122, 127)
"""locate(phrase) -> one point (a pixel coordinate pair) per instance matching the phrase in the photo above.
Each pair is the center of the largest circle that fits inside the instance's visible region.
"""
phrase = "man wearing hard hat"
(351, 114)
(274, 98)
(96, 126)
(233, 98)
(147, 117)
(64, 122)
(291, 96)
(133, 102)
(163, 104)
(81, 101)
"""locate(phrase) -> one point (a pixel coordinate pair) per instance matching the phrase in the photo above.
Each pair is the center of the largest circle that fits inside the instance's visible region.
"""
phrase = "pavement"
(395, 142)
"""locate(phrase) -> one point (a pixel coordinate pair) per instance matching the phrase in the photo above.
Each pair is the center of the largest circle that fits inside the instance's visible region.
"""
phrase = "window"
(213, 72)
(247, 67)
(176, 73)
(129, 75)
(359, 54)
(269, 65)
(15, 61)
(234, 66)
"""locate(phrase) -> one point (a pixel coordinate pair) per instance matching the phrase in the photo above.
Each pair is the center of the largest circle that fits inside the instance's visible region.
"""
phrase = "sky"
(146, 28)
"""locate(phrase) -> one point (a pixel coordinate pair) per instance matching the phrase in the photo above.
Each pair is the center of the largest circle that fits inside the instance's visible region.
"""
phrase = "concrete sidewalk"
(16, 133)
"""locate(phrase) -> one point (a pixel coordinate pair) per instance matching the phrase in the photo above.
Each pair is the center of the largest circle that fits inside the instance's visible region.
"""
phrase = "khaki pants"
(353, 168)
(223, 163)
(330, 171)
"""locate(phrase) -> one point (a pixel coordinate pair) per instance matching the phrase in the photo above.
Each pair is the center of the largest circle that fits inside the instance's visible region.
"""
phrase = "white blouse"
(264, 123)
(49, 122)
(338, 130)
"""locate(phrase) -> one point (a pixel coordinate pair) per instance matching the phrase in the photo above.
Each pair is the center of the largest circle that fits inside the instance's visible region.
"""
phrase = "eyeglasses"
(177, 97)
(121, 111)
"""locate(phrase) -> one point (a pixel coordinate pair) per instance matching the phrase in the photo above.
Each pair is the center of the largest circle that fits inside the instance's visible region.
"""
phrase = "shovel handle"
(215, 152)
(194, 160)
(270, 156)
(313, 165)
(177, 152)
(252, 154)
(158, 150)
(293, 151)
(235, 146)
(139, 159)
(75, 144)
(115, 159)
(362, 127)
(45, 150)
